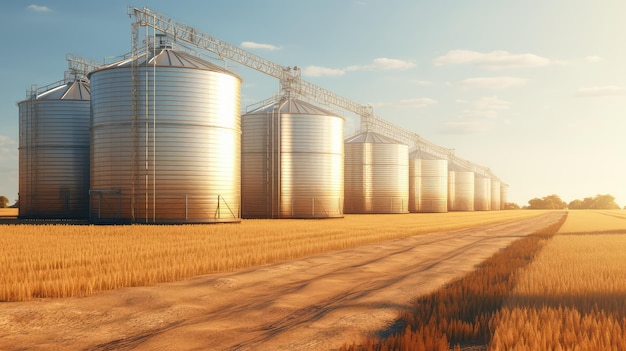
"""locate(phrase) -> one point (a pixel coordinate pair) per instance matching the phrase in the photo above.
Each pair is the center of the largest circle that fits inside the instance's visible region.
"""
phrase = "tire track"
(309, 304)
(255, 337)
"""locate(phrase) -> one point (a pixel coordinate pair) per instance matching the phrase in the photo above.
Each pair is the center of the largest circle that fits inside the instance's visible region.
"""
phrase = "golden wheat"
(595, 221)
(460, 313)
(8, 212)
(64, 260)
(572, 297)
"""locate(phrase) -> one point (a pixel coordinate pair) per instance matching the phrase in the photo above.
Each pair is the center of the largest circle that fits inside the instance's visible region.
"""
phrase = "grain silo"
(292, 161)
(460, 189)
(376, 174)
(428, 183)
(495, 194)
(170, 152)
(482, 193)
(504, 195)
(54, 151)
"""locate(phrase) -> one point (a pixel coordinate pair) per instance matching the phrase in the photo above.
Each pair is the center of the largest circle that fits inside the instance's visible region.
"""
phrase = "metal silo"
(460, 189)
(495, 195)
(376, 174)
(428, 183)
(292, 161)
(482, 193)
(504, 195)
(54, 151)
(170, 152)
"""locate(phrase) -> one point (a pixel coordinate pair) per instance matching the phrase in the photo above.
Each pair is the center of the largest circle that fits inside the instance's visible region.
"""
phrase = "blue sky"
(534, 90)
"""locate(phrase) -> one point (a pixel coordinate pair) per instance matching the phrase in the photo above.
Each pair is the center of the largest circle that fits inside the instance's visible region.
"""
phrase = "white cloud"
(253, 45)
(317, 71)
(378, 64)
(491, 103)
(466, 126)
(487, 107)
(601, 91)
(494, 60)
(414, 103)
(5, 140)
(387, 63)
(492, 82)
(593, 59)
(417, 102)
(38, 8)
(6, 146)
(481, 116)
(382, 63)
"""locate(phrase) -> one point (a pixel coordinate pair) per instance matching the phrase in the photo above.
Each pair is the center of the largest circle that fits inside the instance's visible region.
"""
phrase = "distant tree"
(599, 202)
(588, 203)
(550, 202)
(535, 203)
(575, 204)
(4, 201)
(16, 204)
(511, 206)
(605, 202)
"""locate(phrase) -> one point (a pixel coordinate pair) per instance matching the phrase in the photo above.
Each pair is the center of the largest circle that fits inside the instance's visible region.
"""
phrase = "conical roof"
(294, 106)
(423, 155)
(168, 57)
(75, 90)
(372, 137)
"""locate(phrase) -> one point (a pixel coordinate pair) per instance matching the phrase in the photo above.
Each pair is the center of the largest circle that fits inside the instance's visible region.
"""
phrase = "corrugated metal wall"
(182, 163)
(54, 153)
(428, 184)
(504, 195)
(461, 191)
(292, 162)
(482, 193)
(495, 195)
(376, 175)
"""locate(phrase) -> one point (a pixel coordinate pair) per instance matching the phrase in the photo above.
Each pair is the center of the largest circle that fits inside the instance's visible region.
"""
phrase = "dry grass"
(573, 296)
(63, 260)
(460, 313)
(595, 221)
(570, 296)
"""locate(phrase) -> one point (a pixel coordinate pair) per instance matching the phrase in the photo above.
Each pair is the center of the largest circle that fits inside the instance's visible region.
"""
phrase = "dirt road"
(316, 303)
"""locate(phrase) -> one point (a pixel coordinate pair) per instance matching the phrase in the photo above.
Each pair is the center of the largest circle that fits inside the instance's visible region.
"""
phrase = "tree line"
(4, 202)
(554, 202)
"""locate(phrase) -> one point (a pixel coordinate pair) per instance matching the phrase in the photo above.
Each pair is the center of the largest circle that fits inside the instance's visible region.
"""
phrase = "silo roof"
(168, 57)
(293, 106)
(372, 137)
(423, 155)
(76, 90)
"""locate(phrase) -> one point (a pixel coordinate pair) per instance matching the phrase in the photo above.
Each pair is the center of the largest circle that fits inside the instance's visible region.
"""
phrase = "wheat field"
(49, 261)
(595, 222)
(8, 212)
(573, 295)
(460, 313)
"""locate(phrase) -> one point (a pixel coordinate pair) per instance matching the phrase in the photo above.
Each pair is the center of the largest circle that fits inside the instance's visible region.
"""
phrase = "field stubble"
(42, 261)
(573, 295)
(460, 314)
(569, 295)
(8, 212)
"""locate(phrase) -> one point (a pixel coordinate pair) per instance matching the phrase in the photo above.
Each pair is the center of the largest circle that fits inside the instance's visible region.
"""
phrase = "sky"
(534, 90)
